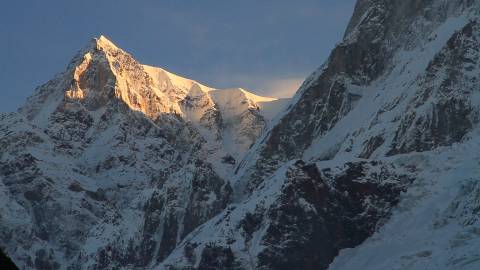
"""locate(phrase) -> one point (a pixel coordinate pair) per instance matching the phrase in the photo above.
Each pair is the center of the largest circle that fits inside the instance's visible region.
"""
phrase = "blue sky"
(268, 47)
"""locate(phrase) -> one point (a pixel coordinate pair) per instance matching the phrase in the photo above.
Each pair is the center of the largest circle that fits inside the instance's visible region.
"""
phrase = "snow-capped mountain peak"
(110, 139)
(102, 77)
(105, 43)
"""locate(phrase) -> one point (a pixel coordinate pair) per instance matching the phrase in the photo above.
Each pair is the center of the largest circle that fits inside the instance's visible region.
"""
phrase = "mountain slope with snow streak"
(401, 90)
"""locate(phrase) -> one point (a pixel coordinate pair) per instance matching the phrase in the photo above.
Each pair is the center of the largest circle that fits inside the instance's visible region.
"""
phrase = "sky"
(266, 46)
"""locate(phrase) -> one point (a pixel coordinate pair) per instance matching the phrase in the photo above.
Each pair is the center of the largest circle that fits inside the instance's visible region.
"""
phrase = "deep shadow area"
(6, 263)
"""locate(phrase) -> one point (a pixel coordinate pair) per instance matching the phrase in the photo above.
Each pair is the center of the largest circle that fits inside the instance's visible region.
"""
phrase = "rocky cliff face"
(374, 164)
(371, 82)
(297, 219)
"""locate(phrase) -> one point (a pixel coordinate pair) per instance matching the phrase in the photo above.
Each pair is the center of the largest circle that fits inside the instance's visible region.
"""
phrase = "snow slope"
(436, 224)
(235, 116)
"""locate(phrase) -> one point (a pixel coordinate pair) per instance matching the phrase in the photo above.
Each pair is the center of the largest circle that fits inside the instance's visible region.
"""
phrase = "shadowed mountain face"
(6, 263)
(399, 91)
(361, 101)
(118, 165)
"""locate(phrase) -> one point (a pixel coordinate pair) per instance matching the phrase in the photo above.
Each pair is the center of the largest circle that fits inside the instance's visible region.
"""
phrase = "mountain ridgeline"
(373, 164)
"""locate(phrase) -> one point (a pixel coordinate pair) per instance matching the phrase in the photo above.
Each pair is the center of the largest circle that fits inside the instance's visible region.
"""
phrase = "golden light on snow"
(282, 88)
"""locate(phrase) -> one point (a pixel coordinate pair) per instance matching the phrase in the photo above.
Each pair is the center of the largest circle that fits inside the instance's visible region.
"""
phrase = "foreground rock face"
(298, 219)
(341, 211)
(442, 112)
(117, 165)
(404, 81)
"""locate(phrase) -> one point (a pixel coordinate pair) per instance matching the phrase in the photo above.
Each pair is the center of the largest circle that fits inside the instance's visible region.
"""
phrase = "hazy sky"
(268, 47)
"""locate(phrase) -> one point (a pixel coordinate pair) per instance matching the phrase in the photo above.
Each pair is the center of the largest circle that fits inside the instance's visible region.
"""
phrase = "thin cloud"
(265, 85)
(281, 88)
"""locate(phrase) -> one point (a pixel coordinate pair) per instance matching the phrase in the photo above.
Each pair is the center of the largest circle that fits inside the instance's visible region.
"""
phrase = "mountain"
(102, 75)
(373, 164)
(115, 155)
